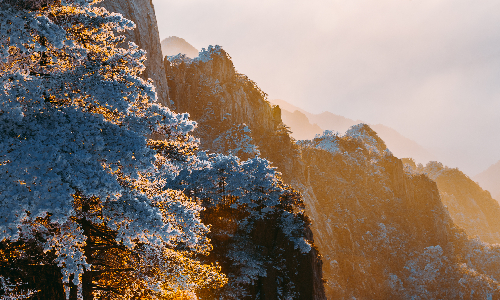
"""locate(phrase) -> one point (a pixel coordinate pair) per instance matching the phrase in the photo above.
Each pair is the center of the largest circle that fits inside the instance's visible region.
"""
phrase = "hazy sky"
(428, 68)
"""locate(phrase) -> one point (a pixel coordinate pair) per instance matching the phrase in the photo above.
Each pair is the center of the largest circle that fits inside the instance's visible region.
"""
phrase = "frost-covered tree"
(238, 141)
(243, 200)
(79, 178)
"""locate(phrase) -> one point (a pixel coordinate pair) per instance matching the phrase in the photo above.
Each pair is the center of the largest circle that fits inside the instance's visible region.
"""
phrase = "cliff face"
(373, 216)
(226, 97)
(146, 35)
(383, 232)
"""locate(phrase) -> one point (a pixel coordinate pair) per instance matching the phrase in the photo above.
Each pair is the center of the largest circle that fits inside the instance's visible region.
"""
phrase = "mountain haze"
(300, 121)
(383, 232)
(174, 45)
(402, 146)
(301, 128)
(325, 120)
(490, 180)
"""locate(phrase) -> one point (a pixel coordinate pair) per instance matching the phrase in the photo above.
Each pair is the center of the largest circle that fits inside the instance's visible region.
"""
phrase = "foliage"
(244, 200)
(75, 160)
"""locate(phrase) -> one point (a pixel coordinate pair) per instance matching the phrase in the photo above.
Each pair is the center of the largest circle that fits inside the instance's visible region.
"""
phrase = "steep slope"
(470, 207)
(174, 45)
(489, 179)
(383, 231)
(145, 35)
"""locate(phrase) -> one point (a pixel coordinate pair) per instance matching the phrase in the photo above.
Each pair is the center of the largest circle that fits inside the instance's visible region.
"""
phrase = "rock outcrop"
(146, 35)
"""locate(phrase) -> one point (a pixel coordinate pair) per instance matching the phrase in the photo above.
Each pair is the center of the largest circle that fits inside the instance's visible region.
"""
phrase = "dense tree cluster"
(101, 188)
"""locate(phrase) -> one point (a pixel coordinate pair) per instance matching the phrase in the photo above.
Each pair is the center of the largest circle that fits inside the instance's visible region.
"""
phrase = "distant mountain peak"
(300, 123)
(174, 45)
(489, 179)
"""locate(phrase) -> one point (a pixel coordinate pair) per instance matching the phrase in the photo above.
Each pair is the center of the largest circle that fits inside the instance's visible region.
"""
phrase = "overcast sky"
(428, 68)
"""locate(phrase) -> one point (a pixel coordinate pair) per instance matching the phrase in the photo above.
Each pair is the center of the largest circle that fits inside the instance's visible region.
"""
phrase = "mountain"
(490, 180)
(174, 45)
(146, 36)
(299, 125)
(383, 231)
(470, 207)
(325, 120)
(234, 118)
(302, 129)
(402, 146)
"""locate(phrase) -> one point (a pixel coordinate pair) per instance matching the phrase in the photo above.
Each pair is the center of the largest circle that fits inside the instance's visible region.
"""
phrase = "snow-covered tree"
(242, 198)
(238, 141)
(76, 166)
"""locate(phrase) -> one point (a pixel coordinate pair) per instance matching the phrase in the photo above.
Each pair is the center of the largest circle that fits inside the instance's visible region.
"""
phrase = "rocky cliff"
(145, 35)
(383, 232)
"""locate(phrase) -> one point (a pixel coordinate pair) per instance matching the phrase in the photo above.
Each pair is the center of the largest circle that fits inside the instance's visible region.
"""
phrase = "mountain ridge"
(489, 179)
(302, 128)
(382, 230)
(174, 45)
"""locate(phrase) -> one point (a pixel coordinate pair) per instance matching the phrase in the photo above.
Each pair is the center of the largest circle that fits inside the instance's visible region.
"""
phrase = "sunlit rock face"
(371, 216)
(382, 231)
(219, 98)
(145, 35)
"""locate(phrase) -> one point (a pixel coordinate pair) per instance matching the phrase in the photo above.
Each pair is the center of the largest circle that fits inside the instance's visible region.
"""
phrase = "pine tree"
(245, 200)
(79, 180)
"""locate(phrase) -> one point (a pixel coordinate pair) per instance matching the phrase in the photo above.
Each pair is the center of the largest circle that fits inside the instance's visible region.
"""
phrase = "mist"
(429, 69)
